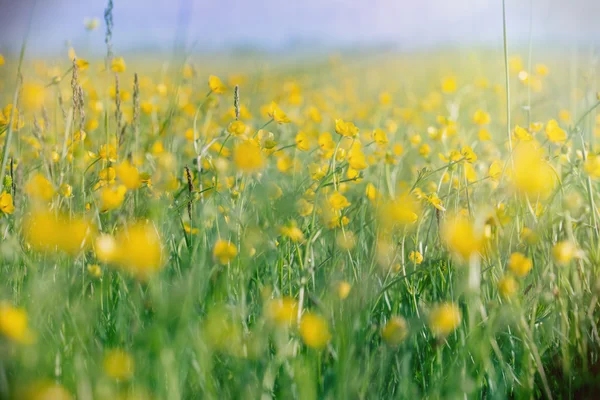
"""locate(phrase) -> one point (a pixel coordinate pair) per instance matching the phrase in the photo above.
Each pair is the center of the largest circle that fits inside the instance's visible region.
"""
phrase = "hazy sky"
(277, 23)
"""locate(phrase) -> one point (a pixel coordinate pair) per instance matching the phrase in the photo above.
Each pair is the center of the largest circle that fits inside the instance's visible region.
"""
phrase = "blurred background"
(307, 25)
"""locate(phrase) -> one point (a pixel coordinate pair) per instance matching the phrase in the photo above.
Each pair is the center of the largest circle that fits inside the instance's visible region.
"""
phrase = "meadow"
(378, 225)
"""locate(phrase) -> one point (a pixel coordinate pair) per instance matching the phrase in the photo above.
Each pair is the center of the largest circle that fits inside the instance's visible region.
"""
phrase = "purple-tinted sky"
(277, 23)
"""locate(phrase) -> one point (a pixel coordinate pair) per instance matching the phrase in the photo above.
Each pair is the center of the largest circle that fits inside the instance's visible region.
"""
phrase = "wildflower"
(14, 325)
(400, 211)
(39, 188)
(302, 141)
(338, 201)
(357, 159)
(529, 236)
(119, 365)
(215, 84)
(292, 232)
(34, 96)
(507, 286)
(371, 192)
(278, 115)
(395, 331)
(592, 166)
(468, 153)
(91, 23)
(449, 84)
(108, 152)
(66, 190)
(117, 64)
(461, 237)
(484, 135)
(248, 157)
(380, 137)
(346, 240)
(236, 128)
(129, 175)
(189, 230)
(435, 201)
(444, 318)
(46, 232)
(563, 252)
(343, 289)
(304, 207)
(495, 170)
(415, 257)
(481, 117)
(314, 331)
(283, 312)
(519, 264)
(94, 270)
(532, 175)
(347, 129)
(111, 197)
(224, 251)
(555, 133)
(6, 203)
(1, 60)
(521, 134)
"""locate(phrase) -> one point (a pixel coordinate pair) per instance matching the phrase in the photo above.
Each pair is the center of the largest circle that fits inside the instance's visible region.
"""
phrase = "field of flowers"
(350, 226)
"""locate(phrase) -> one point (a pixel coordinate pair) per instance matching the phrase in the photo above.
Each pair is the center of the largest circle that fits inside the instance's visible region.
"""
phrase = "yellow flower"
(1, 60)
(338, 201)
(292, 232)
(304, 207)
(117, 64)
(215, 84)
(119, 365)
(66, 190)
(521, 134)
(481, 117)
(6, 203)
(128, 175)
(347, 129)
(111, 197)
(399, 212)
(444, 319)
(395, 331)
(82, 64)
(468, 153)
(519, 264)
(343, 289)
(314, 331)
(46, 232)
(248, 157)
(39, 188)
(435, 201)
(380, 137)
(277, 114)
(415, 257)
(449, 84)
(189, 230)
(564, 252)
(108, 152)
(94, 270)
(507, 286)
(14, 325)
(495, 170)
(484, 135)
(224, 251)
(555, 133)
(461, 237)
(302, 141)
(236, 128)
(357, 159)
(283, 312)
(592, 166)
(371, 192)
(532, 174)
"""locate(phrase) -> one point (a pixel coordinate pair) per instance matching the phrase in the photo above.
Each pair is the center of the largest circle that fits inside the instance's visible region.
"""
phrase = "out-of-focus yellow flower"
(118, 64)
(292, 232)
(468, 153)
(532, 175)
(129, 175)
(108, 152)
(563, 252)
(224, 251)
(44, 390)
(136, 250)
(283, 312)
(592, 166)
(302, 141)
(444, 319)
(357, 159)
(521, 134)
(481, 117)
(399, 212)
(14, 325)
(507, 286)
(415, 257)
(46, 232)
(495, 170)
(555, 133)
(39, 188)
(66, 190)
(94, 270)
(248, 157)
(344, 128)
(346, 240)
(461, 237)
(119, 365)
(338, 201)
(519, 264)
(343, 289)
(1, 60)
(529, 236)
(380, 137)
(314, 331)
(237, 128)
(277, 114)
(215, 84)
(395, 331)
(6, 203)
(449, 84)
(111, 197)
(33, 96)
